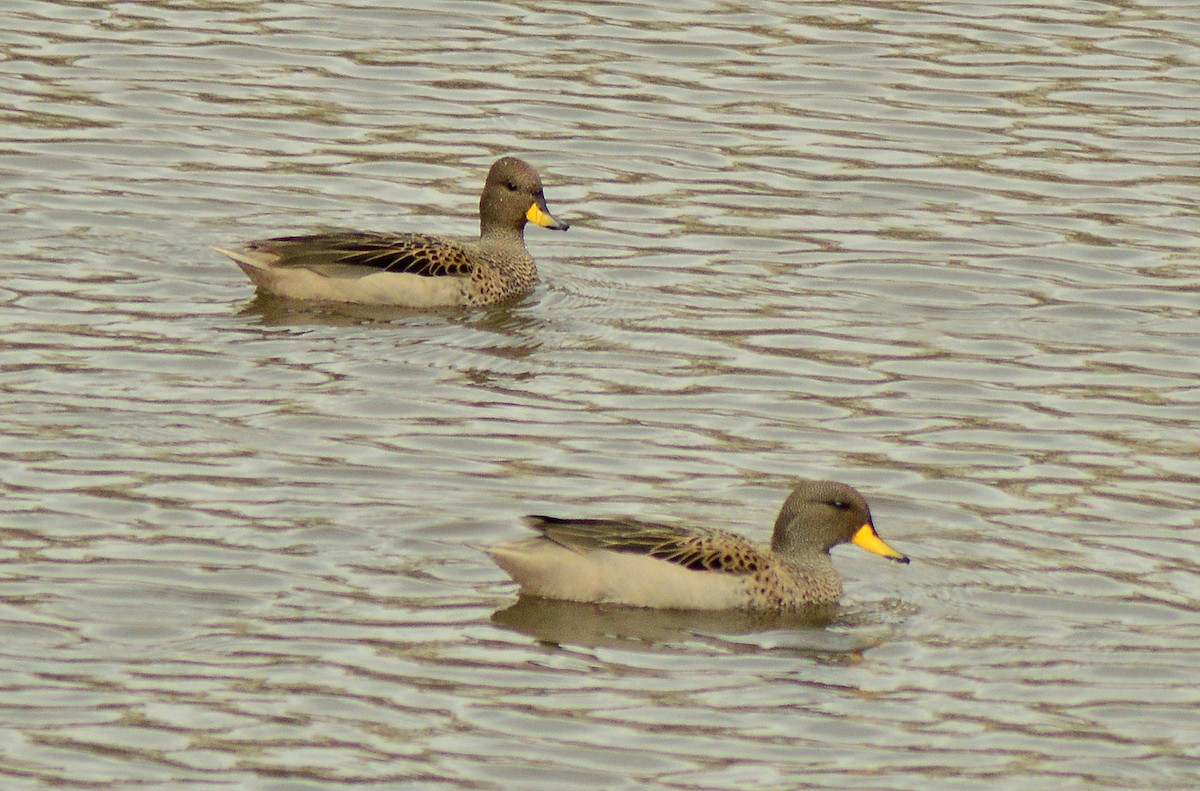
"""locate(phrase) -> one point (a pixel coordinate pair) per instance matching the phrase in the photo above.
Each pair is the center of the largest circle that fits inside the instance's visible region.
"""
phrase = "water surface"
(944, 252)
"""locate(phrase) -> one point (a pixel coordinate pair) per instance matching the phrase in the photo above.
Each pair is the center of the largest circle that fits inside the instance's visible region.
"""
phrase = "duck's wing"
(699, 550)
(412, 253)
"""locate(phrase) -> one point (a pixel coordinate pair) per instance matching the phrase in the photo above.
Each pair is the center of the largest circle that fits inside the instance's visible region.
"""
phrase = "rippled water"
(944, 252)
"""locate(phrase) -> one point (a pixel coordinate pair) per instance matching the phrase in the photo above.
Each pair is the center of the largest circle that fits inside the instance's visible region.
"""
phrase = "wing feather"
(696, 549)
(412, 253)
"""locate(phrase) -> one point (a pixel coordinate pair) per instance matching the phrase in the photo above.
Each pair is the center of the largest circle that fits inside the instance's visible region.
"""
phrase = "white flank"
(543, 568)
(361, 285)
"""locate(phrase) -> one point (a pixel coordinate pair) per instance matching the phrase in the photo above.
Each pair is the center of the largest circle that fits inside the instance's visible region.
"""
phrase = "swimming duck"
(643, 564)
(412, 269)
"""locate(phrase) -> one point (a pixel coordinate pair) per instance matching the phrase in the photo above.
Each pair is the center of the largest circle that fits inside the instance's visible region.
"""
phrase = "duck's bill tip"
(538, 216)
(868, 539)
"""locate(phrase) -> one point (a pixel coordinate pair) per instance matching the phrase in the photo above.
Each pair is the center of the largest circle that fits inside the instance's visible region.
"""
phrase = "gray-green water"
(944, 252)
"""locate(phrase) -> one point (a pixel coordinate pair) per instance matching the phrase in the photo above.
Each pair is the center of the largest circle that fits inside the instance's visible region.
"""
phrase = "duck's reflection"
(282, 311)
(574, 623)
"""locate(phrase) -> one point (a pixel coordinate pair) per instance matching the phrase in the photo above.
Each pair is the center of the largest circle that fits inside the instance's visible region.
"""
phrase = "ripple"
(942, 253)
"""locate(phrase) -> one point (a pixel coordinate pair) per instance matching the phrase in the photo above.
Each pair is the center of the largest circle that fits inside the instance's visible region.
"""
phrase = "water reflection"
(283, 312)
(575, 623)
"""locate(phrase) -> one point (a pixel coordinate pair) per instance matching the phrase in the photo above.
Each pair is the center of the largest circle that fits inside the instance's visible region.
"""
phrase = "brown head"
(819, 515)
(511, 197)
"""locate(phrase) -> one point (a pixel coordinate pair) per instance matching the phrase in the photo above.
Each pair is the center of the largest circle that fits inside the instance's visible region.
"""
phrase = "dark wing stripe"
(691, 549)
(417, 261)
(415, 254)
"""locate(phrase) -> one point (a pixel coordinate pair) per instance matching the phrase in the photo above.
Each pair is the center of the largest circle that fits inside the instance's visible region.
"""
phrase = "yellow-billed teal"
(641, 564)
(412, 269)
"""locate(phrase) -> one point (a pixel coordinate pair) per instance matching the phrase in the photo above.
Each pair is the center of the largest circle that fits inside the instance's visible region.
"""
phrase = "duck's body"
(670, 567)
(412, 269)
(726, 572)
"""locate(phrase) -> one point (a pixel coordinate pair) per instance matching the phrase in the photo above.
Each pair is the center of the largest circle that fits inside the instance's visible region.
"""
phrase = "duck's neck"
(813, 578)
(500, 234)
(810, 563)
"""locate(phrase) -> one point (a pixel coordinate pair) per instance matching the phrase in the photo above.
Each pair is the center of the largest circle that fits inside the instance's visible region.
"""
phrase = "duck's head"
(819, 515)
(513, 196)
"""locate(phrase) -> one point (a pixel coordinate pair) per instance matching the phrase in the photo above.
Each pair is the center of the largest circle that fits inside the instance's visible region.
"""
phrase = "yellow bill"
(540, 216)
(868, 539)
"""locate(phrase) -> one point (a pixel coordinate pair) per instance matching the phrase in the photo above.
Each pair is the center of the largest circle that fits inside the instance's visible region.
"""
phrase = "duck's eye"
(841, 505)
(512, 186)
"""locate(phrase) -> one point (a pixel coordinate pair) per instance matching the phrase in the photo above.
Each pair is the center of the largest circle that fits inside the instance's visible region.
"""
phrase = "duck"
(677, 567)
(412, 269)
